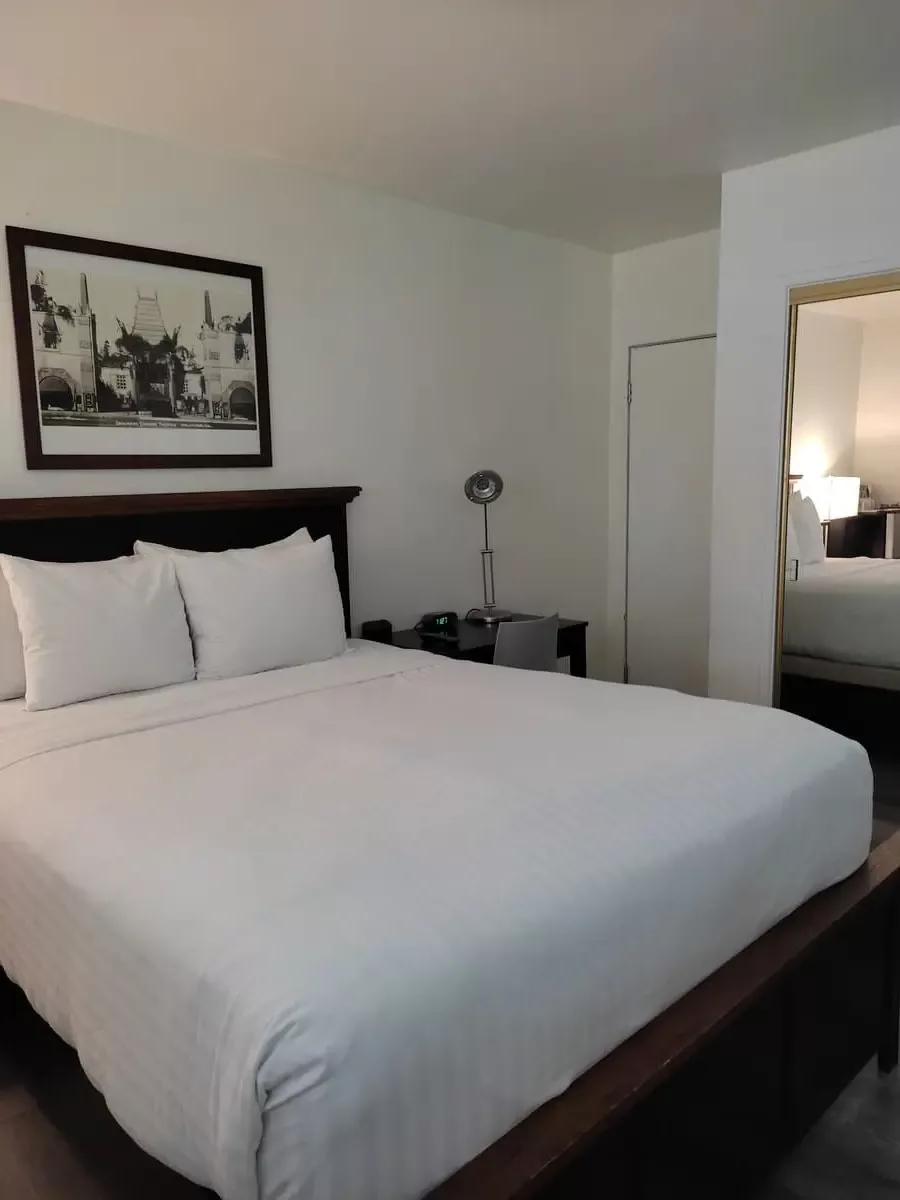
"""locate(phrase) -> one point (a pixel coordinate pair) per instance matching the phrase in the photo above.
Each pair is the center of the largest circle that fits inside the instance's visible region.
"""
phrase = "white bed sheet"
(325, 933)
(845, 610)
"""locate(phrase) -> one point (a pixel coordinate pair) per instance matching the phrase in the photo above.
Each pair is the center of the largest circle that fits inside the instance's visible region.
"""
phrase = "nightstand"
(476, 642)
(874, 534)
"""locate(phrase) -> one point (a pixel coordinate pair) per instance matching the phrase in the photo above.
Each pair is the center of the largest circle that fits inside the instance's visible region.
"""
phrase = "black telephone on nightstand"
(439, 627)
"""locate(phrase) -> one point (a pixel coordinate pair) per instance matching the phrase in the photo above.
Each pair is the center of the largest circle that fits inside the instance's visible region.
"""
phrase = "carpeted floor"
(854, 1151)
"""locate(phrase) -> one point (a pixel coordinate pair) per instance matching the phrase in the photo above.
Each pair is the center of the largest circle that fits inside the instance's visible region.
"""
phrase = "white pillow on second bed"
(98, 628)
(792, 553)
(256, 610)
(807, 527)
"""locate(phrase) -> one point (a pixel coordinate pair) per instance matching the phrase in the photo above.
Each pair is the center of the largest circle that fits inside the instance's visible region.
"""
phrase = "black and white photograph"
(131, 357)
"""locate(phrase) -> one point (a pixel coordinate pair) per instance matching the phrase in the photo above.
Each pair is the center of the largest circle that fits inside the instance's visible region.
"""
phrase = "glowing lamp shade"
(834, 496)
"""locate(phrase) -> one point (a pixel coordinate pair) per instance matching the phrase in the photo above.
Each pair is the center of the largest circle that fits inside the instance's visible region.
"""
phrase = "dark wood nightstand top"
(476, 642)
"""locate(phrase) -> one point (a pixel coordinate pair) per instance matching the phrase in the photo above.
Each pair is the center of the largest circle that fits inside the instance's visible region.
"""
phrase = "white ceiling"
(882, 306)
(605, 122)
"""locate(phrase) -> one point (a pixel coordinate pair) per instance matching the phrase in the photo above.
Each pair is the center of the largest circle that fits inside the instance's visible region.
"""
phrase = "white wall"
(826, 394)
(662, 291)
(877, 459)
(826, 214)
(407, 347)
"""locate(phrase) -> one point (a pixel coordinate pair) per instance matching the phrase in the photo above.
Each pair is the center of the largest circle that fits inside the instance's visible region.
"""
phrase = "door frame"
(808, 293)
(635, 346)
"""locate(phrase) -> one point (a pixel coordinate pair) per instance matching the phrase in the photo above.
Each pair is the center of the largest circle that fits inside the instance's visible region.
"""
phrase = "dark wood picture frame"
(18, 240)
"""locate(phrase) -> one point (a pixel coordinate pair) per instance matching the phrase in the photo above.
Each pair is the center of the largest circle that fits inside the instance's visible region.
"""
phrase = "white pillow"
(808, 528)
(792, 553)
(255, 610)
(814, 551)
(98, 628)
(12, 662)
(300, 537)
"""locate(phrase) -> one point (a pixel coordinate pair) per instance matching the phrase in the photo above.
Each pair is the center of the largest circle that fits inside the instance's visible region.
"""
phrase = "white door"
(670, 515)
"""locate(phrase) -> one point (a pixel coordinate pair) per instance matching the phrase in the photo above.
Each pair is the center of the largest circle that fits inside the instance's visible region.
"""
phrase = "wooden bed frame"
(706, 1098)
(868, 714)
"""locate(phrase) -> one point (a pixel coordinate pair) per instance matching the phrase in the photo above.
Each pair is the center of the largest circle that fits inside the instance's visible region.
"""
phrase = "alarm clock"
(439, 627)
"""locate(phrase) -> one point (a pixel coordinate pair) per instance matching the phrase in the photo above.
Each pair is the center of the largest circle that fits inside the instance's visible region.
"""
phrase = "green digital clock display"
(439, 625)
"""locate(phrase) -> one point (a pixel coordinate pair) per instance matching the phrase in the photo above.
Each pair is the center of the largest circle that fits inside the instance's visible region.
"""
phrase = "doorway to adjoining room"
(838, 653)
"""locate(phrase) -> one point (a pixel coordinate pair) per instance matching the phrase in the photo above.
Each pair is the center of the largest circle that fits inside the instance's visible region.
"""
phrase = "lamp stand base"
(489, 616)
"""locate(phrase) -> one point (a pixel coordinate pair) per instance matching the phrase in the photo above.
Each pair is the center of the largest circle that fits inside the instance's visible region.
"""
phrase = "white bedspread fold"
(325, 933)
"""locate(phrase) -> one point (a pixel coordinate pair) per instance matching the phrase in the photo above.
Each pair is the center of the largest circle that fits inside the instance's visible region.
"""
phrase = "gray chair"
(527, 644)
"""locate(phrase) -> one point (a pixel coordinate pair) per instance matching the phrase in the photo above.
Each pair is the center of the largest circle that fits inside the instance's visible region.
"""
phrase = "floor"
(854, 1151)
(58, 1142)
(57, 1139)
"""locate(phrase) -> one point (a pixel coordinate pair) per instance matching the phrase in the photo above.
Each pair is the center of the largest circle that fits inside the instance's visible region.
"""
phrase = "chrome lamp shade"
(483, 488)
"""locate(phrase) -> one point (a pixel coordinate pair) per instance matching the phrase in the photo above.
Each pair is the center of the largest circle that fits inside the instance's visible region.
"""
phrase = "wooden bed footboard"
(706, 1099)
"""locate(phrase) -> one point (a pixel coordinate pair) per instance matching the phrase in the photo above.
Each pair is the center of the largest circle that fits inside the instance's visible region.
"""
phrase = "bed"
(842, 622)
(360, 994)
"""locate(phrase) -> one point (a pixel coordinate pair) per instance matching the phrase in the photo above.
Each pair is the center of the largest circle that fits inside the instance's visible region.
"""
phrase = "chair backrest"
(528, 644)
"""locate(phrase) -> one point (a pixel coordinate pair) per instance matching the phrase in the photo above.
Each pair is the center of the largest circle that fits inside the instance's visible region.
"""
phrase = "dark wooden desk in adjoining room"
(476, 642)
(874, 534)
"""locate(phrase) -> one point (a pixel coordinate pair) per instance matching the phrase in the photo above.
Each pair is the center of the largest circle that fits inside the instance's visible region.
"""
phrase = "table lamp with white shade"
(834, 496)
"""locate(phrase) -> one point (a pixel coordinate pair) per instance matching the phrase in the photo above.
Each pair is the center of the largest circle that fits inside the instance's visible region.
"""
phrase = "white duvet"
(845, 610)
(325, 933)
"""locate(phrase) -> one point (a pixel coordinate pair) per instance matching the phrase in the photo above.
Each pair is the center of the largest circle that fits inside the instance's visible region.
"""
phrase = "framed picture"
(131, 357)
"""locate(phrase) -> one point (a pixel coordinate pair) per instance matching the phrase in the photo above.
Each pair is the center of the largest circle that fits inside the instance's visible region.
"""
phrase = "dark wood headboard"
(78, 528)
